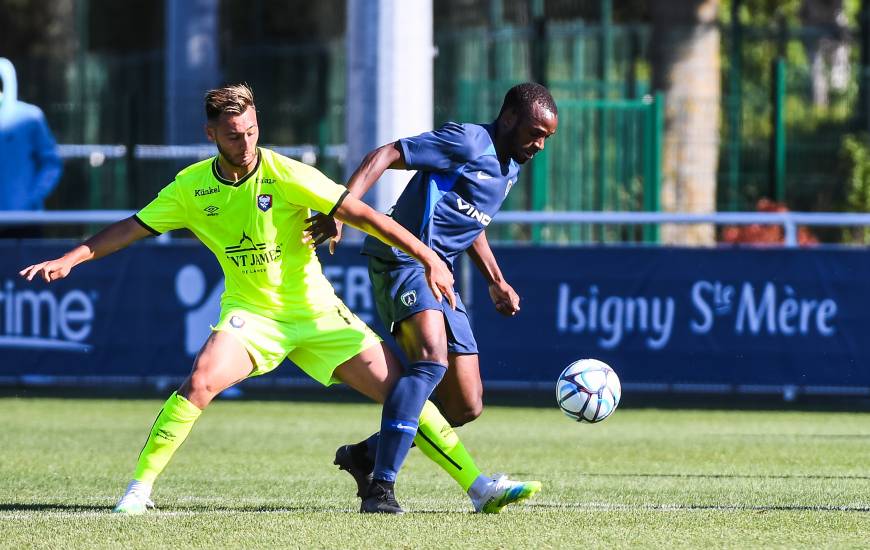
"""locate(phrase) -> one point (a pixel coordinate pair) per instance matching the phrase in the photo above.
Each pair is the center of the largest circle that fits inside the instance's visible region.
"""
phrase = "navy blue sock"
(401, 414)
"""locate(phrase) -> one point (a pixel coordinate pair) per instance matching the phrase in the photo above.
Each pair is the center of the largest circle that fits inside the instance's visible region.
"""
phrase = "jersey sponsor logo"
(252, 257)
(481, 175)
(264, 202)
(472, 212)
(265, 180)
(46, 319)
(508, 188)
(211, 210)
(207, 191)
(409, 298)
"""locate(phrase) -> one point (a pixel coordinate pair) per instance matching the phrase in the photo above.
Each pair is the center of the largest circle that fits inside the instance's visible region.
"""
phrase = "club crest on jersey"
(409, 298)
(264, 202)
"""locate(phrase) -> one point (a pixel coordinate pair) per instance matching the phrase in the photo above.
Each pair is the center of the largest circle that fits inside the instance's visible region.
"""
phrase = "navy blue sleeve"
(442, 149)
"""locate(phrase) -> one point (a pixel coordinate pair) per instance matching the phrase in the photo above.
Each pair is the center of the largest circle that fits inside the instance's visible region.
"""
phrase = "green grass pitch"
(257, 474)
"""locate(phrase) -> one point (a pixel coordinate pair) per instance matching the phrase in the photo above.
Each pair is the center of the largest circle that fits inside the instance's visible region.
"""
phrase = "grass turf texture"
(260, 474)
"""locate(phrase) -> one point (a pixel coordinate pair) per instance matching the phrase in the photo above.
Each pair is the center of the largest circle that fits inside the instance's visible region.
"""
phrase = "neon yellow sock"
(438, 441)
(169, 431)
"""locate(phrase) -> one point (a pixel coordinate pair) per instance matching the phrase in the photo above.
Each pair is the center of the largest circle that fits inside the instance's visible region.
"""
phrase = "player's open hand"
(440, 279)
(49, 271)
(506, 300)
(320, 228)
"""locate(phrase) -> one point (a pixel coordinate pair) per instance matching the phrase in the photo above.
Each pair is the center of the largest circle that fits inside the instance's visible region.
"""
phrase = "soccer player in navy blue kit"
(464, 172)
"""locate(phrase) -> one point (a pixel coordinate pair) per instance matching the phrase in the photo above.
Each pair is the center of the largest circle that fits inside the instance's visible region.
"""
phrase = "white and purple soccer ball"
(588, 390)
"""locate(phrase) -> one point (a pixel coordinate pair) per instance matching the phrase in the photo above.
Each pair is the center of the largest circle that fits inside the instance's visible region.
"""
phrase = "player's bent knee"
(465, 415)
(199, 389)
(431, 353)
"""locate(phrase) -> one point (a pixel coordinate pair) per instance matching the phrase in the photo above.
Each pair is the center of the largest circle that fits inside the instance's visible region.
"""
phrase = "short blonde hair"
(233, 100)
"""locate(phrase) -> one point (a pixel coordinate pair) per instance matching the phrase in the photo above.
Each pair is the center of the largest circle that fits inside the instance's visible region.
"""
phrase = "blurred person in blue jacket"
(31, 164)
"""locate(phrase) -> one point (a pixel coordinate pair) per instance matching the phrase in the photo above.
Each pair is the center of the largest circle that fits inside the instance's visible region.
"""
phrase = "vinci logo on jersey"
(252, 257)
(45, 319)
(472, 212)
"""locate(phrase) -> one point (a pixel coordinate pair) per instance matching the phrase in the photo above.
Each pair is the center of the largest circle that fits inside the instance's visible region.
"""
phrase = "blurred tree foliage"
(856, 163)
(818, 39)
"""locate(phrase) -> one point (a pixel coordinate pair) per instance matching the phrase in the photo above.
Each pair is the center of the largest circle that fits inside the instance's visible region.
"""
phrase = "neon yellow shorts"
(316, 343)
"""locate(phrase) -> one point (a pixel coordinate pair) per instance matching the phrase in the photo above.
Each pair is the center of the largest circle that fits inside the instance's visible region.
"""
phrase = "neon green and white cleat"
(501, 491)
(136, 500)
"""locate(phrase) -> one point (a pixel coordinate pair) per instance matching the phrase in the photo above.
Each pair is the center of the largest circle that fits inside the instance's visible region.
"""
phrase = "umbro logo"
(211, 210)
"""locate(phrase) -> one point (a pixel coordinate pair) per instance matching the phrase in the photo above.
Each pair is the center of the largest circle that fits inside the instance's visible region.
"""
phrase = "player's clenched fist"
(51, 270)
(505, 298)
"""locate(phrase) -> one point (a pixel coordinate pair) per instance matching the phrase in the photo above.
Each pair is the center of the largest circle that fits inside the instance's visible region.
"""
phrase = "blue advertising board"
(666, 319)
(140, 313)
(703, 319)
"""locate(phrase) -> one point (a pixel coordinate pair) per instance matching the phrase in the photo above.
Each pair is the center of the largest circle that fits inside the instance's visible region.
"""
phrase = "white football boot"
(490, 495)
(136, 499)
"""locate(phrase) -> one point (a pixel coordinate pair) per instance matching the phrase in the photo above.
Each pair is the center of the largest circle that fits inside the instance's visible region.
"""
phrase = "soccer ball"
(588, 390)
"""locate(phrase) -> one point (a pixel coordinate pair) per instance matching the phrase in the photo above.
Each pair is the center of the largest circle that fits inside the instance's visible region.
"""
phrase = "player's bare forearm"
(360, 215)
(322, 226)
(505, 298)
(373, 166)
(482, 256)
(114, 237)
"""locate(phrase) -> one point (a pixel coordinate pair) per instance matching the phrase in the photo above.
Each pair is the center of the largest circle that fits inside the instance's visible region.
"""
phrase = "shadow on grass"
(44, 507)
(191, 509)
(689, 507)
(733, 476)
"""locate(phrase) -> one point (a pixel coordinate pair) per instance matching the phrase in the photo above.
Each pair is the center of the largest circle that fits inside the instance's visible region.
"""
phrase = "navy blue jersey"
(458, 188)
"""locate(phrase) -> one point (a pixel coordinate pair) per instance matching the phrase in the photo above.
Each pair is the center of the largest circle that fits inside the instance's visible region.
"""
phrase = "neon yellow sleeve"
(166, 212)
(306, 186)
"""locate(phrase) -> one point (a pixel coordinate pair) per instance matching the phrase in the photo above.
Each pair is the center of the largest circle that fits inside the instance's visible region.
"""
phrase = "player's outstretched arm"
(110, 239)
(505, 298)
(360, 215)
(371, 168)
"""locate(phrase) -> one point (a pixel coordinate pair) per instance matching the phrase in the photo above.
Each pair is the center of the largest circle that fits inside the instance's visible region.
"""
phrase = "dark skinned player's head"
(527, 118)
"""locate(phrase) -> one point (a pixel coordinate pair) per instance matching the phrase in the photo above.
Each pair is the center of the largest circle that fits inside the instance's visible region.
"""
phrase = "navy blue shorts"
(400, 291)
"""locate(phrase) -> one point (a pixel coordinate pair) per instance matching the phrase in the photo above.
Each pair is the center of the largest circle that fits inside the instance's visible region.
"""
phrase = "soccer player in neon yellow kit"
(250, 206)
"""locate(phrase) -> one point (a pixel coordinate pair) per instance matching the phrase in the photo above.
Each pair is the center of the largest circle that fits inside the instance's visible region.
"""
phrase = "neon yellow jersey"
(254, 227)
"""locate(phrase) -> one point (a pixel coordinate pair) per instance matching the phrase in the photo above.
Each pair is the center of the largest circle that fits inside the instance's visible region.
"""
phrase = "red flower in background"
(765, 234)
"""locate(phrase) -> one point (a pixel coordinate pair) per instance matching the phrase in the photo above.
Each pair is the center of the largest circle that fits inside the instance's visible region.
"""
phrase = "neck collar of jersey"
(215, 170)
